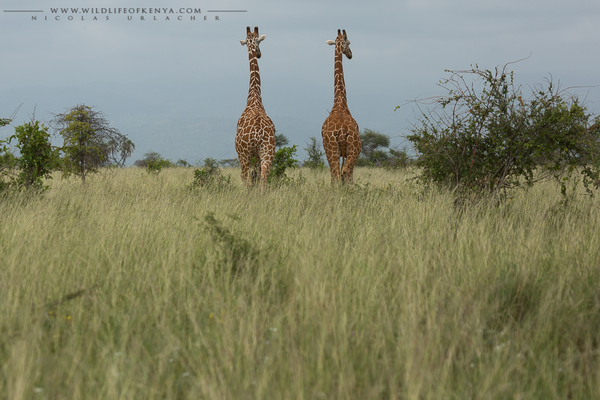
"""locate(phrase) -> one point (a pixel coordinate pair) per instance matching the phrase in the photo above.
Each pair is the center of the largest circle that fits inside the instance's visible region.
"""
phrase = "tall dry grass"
(136, 287)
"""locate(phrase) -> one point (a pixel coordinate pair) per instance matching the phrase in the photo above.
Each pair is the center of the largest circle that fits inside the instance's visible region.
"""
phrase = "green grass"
(135, 287)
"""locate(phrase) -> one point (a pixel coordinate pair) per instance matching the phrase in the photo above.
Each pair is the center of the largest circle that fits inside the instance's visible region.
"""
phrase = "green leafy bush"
(210, 175)
(284, 159)
(154, 162)
(36, 157)
(485, 136)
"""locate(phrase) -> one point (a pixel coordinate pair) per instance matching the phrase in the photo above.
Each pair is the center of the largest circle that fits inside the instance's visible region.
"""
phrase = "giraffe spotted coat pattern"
(340, 131)
(255, 136)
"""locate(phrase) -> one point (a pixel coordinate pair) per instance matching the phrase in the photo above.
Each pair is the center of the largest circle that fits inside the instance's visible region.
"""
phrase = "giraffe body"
(340, 131)
(255, 136)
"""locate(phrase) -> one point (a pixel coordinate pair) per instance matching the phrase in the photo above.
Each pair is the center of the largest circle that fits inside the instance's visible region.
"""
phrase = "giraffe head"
(343, 42)
(253, 40)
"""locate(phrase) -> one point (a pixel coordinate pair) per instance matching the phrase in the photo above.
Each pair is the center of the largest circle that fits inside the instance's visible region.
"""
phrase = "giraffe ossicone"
(255, 137)
(341, 139)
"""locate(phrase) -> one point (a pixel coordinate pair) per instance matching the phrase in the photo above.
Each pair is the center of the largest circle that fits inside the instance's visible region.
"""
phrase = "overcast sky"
(178, 86)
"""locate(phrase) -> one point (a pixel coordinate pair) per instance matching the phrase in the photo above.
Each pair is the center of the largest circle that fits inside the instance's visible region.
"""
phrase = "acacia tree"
(281, 140)
(89, 142)
(372, 142)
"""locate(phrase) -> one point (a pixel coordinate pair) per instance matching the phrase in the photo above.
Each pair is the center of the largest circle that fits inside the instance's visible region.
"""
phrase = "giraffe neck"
(254, 97)
(339, 90)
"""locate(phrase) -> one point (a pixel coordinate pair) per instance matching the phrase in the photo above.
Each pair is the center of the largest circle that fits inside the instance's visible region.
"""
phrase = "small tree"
(315, 154)
(494, 139)
(89, 142)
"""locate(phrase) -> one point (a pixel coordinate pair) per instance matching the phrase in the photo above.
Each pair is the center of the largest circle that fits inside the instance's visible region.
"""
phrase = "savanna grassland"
(135, 287)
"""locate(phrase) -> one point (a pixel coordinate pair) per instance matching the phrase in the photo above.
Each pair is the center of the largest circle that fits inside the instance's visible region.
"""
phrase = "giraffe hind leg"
(245, 166)
(348, 170)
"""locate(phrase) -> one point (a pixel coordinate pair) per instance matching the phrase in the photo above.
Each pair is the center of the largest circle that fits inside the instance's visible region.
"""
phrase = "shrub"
(284, 159)
(36, 160)
(210, 175)
(229, 162)
(154, 162)
(397, 159)
(491, 138)
(183, 163)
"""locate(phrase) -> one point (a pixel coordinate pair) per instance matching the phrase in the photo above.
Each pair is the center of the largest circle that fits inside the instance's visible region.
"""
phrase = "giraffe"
(255, 131)
(340, 131)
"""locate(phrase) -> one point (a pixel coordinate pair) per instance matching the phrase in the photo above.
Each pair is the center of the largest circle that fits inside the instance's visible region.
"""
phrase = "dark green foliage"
(315, 155)
(4, 121)
(372, 142)
(89, 142)
(210, 175)
(37, 157)
(281, 140)
(397, 159)
(229, 162)
(154, 162)
(284, 159)
(183, 163)
(492, 139)
(373, 153)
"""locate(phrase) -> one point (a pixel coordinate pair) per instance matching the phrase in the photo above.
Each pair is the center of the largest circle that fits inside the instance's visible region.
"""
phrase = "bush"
(284, 159)
(229, 162)
(397, 159)
(154, 162)
(36, 160)
(183, 163)
(210, 175)
(494, 139)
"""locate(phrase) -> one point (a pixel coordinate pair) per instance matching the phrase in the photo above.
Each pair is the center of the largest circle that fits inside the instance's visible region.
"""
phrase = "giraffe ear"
(263, 37)
(243, 42)
(330, 42)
